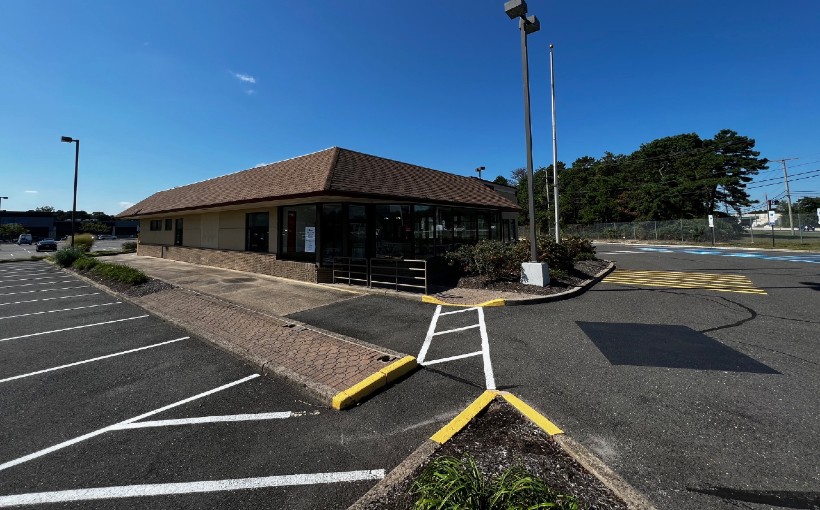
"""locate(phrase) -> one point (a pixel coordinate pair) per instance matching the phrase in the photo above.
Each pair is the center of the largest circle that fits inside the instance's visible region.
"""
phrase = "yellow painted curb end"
(399, 368)
(359, 390)
(549, 427)
(464, 417)
(436, 301)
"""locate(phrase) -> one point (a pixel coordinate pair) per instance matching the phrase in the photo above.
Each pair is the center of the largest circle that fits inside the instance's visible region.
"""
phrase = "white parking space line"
(165, 489)
(283, 415)
(456, 330)
(57, 311)
(429, 338)
(52, 369)
(32, 279)
(489, 377)
(451, 358)
(49, 299)
(103, 430)
(74, 327)
(33, 284)
(43, 290)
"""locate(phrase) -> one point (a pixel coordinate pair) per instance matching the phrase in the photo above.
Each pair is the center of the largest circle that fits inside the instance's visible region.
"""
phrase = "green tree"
(94, 227)
(501, 180)
(45, 208)
(11, 230)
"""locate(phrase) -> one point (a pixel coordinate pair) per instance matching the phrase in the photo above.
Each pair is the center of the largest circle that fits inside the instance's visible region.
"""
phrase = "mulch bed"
(501, 437)
(143, 289)
(583, 271)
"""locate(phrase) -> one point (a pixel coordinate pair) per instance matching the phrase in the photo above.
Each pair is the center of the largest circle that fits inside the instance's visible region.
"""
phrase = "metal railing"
(399, 274)
(353, 271)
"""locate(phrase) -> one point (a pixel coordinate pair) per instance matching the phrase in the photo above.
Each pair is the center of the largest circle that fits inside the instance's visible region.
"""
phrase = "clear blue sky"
(163, 94)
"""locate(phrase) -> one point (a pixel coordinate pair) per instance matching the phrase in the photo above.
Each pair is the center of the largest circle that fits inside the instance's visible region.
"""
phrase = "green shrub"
(65, 257)
(452, 483)
(555, 255)
(463, 259)
(579, 248)
(84, 242)
(119, 273)
(129, 246)
(84, 263)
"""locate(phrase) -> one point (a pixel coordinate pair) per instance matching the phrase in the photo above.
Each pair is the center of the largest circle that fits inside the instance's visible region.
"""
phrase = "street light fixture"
(68, 139)
(527, 25)
(479, 170)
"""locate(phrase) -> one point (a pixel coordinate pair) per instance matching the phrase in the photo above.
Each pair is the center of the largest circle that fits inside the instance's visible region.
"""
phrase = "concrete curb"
(435, 301)
(633, 499)
(577, 291)
(374, 382)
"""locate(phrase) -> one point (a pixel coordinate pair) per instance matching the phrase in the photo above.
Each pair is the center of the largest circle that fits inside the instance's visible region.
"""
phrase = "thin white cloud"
(250, 92)
(126, 205)
(32, 191)
(244, 77)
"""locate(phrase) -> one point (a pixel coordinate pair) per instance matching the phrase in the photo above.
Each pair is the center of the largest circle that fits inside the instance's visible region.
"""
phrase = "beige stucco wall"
(155, 237)
(209, 230)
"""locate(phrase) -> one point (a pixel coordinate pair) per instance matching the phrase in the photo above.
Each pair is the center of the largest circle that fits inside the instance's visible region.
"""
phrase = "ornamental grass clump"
(83, 242)
(451, 483)
(119, 273)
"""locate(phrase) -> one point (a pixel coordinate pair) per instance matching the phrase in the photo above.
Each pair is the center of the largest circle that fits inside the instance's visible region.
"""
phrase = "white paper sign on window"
(310, 239)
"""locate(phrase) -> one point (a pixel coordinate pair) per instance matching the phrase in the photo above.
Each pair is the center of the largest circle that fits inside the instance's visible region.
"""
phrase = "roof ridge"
(333, 162)
(248, 169)
(408, 164)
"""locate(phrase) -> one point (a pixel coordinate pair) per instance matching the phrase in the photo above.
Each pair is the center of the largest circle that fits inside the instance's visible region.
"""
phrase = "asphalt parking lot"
(13, 251)
(105, 406)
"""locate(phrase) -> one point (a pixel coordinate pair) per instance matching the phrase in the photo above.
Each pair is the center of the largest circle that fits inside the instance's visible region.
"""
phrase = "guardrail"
(395, 273)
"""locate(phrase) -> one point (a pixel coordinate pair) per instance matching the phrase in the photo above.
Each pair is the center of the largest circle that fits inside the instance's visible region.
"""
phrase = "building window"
(256, 231)
(155, 225)
(298, 232)
(357, 231)
(424, 227)
(178, 233)
(169, 224)
(332, 230)
(394, 232)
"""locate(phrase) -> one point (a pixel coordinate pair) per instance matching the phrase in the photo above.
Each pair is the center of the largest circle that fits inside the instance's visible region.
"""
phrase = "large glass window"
(394, 231)
(357, 231)
(257, 231)
(424, 227)
(332, 233)
(298, 232)
(464, 226)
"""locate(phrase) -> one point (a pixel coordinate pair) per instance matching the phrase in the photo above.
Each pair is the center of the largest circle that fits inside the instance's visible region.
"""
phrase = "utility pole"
(554, 153)
(788, 194)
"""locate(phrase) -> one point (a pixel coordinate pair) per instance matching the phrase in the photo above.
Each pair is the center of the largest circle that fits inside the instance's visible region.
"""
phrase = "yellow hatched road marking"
(681, 280)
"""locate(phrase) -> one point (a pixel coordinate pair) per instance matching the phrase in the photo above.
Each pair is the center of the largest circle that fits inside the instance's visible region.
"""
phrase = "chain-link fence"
(691, 230)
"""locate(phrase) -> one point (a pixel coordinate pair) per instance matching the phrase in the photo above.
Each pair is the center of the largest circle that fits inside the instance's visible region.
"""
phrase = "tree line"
(681, 176)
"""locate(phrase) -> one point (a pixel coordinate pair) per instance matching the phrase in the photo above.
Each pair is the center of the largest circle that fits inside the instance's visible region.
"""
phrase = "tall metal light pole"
(68, 139)
(1, 211)
(554, 152)
(479, 170)
(527, 25)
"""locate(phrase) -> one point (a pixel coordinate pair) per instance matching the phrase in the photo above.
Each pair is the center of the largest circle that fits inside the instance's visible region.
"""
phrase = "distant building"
(295, 217)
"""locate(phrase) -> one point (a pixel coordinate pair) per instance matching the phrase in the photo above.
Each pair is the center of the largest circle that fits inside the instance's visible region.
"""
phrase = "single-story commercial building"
(296, 217)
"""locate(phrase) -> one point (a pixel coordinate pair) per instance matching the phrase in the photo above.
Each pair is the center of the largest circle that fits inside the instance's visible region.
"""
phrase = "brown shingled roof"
(334, 171)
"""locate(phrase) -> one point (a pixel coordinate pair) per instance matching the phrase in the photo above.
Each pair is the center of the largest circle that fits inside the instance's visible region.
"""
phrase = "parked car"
(24, 239)
(104, 237)
(808, 228)
(46, 245)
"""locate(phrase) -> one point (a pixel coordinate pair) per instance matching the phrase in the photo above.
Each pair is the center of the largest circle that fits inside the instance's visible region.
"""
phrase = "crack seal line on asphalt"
(164, 489)
(21, 376)
(74, 327)
(115, 426)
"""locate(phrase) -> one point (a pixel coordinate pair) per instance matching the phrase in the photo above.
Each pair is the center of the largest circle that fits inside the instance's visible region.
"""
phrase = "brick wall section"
(262, 263)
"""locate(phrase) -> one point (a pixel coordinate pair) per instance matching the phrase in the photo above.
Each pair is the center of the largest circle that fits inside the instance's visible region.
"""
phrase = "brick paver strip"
(323, 362)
